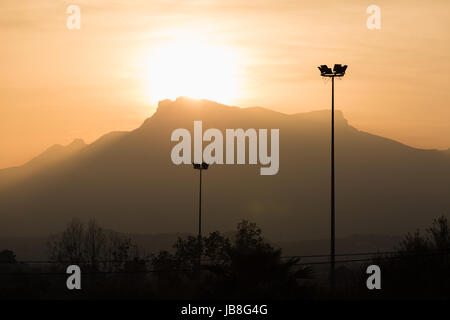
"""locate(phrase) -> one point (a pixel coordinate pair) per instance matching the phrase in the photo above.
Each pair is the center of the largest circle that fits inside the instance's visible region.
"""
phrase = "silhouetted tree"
(94, 243)
(256, 268)
(420, 267)
(69, 245)
(92, 246)
(439, 234)
(249, 267)
(7, 256)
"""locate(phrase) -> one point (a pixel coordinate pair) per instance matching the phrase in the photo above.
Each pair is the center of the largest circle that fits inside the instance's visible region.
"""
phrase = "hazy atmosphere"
(58, 84)
(224, 158)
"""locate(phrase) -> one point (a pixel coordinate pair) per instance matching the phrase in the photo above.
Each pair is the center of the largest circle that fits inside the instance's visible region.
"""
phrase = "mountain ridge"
(127, 181)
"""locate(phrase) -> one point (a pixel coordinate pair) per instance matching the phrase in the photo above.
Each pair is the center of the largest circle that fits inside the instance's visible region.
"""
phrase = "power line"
(399, 256)
(90, 272)
(377, 253)
(341, 254)
(203, 259)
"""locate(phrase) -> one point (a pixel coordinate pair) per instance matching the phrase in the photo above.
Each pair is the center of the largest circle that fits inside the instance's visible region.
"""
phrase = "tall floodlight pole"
(200, 167)
(338, 71)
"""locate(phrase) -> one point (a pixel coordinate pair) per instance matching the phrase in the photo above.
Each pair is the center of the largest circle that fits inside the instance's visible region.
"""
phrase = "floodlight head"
(337, 67)
(339, 70)
(325, 71)
(323, 67)
(202, 166)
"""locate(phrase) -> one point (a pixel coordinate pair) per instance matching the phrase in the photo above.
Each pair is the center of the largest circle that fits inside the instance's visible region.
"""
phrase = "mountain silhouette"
(49, 157)
(128, 182)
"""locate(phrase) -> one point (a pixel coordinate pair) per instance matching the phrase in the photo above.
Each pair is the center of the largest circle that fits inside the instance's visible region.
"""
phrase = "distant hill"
(49, 157)
(128, 182)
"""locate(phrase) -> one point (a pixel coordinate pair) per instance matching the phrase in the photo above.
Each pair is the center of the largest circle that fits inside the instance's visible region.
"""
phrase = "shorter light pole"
(200, 167)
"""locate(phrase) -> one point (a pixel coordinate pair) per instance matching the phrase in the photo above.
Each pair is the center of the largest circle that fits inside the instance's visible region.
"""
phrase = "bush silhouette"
(247, 268)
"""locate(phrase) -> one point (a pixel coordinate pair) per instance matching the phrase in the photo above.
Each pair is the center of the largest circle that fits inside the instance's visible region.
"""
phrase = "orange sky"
(57, 85)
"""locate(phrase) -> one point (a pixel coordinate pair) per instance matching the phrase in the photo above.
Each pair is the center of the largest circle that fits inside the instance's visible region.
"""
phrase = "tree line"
(243, 266)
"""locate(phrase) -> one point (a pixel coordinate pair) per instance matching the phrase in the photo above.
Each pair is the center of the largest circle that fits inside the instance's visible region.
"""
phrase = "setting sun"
(193, 69)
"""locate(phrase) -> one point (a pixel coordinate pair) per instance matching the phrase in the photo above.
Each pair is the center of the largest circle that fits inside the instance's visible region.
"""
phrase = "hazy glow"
(191, 68)
(57, 84)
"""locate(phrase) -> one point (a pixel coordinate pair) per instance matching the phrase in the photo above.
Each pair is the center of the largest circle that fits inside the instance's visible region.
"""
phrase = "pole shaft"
(200, 220)
(332, 231)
